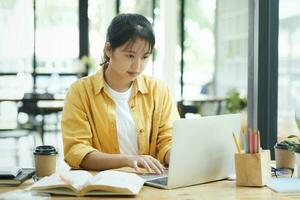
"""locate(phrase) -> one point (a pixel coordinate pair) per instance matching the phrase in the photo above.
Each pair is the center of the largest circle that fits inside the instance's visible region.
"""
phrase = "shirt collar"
(139, 84)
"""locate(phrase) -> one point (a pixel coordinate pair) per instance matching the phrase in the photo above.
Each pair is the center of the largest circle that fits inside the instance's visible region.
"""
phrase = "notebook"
(285, 184)
(9, 172)
(202, 151)
(22, 176)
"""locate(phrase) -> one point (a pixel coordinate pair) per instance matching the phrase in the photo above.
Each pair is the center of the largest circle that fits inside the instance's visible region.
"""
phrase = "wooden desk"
(216, 190)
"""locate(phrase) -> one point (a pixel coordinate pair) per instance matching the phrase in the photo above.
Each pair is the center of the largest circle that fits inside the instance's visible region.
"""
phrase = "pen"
(236, 143)
(255, 142)
(246, 142)
(258, 141)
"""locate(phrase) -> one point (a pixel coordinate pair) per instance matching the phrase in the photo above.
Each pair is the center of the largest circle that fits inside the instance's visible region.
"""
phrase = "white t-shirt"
(126, 128)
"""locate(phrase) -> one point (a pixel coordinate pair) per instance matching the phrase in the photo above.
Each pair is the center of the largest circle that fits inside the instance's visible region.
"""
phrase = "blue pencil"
(246, 144)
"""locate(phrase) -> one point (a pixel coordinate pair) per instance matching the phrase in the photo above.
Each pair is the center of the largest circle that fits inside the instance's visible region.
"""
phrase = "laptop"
(202, 151)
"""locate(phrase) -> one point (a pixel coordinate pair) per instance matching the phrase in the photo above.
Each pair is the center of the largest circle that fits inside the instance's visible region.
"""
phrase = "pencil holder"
(253, 169)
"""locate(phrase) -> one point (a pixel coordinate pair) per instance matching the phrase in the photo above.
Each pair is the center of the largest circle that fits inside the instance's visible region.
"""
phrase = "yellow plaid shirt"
(89, 118)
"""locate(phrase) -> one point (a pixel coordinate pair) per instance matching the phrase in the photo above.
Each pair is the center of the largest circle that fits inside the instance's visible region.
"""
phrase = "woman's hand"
(146, 161)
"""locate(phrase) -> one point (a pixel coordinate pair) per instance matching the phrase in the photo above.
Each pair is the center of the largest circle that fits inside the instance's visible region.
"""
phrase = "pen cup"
(253, 169)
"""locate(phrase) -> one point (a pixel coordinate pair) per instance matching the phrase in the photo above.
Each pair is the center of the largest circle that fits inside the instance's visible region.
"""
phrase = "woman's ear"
(108, 50)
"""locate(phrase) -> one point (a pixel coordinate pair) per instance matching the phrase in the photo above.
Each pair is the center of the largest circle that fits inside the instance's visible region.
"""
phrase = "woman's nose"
(137, 63)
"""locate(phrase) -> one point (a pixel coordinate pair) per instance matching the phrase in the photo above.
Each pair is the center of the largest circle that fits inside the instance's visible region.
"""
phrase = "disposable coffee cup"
(45, 160)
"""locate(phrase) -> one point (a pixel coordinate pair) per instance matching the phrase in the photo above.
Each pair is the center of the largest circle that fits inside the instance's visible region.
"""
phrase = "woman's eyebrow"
(129, 51)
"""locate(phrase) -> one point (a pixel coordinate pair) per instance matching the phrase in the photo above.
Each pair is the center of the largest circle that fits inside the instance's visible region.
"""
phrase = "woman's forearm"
(102, 161)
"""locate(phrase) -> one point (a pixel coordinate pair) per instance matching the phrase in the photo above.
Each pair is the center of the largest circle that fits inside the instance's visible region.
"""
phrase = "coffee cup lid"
(45, 150)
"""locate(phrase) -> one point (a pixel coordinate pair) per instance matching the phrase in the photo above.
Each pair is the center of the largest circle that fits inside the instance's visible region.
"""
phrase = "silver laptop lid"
(202, 149)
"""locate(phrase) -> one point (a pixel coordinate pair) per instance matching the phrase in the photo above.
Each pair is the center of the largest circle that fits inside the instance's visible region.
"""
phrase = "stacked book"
(15, 175)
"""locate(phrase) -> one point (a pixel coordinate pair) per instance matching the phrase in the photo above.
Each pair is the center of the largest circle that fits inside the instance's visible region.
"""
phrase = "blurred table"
(38, 104)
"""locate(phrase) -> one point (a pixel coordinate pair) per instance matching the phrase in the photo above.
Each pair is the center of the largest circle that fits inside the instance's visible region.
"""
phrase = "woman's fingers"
(153, 166)
(135, 165)
(145, 164)
(148, 162)
(158, 165)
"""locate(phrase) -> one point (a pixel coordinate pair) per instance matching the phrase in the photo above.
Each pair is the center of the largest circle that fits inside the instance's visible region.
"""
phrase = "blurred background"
(201, 52)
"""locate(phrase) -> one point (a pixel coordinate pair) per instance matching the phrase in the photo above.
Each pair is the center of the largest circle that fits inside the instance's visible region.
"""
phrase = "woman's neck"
(115, 82)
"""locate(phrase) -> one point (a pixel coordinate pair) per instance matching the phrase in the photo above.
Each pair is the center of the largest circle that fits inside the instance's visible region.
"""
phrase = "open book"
(83, 183)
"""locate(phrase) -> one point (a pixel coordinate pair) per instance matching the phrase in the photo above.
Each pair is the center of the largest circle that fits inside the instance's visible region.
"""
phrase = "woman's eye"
(130, 56)
(145, 57)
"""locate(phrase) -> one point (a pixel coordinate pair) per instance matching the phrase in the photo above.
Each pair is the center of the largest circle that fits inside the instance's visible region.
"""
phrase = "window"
(57, 42)
(288, 67)
(16, 49)
(215, 52)
(100, 14)
(143, 7)
(16, 38)
(199, 47)
(231, 47)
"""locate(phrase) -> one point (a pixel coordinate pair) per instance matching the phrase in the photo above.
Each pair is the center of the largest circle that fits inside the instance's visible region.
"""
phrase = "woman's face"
(129, 60)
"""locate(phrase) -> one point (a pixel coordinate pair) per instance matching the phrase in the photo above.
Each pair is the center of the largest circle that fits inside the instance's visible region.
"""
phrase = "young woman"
(118, 117)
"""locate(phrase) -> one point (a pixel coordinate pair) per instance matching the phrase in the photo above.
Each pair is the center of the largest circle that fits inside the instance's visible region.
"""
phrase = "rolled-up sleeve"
(168, 114)
(76, 130)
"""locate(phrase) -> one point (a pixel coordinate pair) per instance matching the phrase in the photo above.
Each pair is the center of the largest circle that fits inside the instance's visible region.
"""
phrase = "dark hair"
(128, 27)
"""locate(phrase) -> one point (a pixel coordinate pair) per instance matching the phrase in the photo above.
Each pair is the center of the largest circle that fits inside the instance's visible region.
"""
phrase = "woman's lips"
(133, 73)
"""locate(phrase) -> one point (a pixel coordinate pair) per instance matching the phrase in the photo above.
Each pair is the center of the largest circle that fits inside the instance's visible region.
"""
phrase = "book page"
(116, 181)
(76, 180)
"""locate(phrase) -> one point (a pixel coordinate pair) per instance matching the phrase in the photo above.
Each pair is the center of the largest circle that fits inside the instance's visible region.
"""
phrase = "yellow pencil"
(236, 143)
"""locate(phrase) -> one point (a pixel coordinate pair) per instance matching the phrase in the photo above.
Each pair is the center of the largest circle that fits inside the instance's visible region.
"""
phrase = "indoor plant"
(286, 151)
(295, 147)
(284, 155)
(235, 102)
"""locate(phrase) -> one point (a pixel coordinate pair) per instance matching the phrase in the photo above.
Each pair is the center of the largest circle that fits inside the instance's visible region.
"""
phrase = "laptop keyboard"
(161, 181)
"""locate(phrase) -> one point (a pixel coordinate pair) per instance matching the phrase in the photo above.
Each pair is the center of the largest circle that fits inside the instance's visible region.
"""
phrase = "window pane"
(14, 86)
(215, 55)
(199, 46)
(100, 14)
(231, 57)
(143, 7)
(57, 43)
(288, 67)
(54, 84)
(16, 36)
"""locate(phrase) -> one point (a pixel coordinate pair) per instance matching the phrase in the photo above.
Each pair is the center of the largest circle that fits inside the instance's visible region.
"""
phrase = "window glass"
(100, 14)
(143, 7)
(16, 36)
(57, 37)
(199, 46)
(288, 68)
(215, 55)
(231, 57)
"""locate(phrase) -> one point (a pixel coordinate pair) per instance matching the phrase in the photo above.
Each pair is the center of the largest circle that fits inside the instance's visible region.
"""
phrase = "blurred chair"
(205, 107)
(36, 113)
(185, 109)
